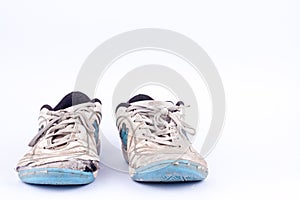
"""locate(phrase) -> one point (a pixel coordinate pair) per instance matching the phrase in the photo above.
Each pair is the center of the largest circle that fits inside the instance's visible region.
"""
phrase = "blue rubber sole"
(167, 171)
(55, 176)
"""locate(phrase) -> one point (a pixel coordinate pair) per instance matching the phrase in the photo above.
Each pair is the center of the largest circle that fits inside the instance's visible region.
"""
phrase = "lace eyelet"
(41, 127)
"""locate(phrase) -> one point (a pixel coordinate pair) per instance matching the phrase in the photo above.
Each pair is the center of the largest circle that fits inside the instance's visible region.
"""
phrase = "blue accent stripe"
(96, 133)
(124, 135)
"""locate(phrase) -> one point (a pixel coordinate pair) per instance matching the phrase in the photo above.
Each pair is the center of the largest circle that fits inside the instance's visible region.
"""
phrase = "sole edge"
(170, 171)
(55, 176)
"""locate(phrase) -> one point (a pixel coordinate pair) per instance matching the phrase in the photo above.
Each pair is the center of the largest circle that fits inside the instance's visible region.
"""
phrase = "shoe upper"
(153, 131)
(68, 135)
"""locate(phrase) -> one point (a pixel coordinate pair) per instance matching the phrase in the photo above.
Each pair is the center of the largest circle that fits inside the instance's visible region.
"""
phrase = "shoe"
(66, 149)
(155, 141)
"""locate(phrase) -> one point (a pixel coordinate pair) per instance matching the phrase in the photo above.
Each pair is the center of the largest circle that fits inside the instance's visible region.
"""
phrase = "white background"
(254, 44)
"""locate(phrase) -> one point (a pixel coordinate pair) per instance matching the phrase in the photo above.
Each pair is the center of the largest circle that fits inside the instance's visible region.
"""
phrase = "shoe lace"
(62, 124)
(164, 123)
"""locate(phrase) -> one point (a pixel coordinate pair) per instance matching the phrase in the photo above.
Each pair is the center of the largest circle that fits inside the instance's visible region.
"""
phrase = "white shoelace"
(163, 123)
(62, 124)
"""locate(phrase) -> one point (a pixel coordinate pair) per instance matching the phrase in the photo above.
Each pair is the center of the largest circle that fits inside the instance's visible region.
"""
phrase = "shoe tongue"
(142, 99)
(154, 103)
(72, 99)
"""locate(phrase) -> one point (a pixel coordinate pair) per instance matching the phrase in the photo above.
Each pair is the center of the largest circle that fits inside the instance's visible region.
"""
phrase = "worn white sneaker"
(66, 149)
(155, 141)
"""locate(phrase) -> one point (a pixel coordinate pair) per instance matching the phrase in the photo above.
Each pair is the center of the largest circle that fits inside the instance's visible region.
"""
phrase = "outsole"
(55, 176)
(170, 171)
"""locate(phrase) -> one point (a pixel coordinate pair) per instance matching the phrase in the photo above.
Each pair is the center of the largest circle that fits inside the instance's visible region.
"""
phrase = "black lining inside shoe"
(71, 99)
(139, 97)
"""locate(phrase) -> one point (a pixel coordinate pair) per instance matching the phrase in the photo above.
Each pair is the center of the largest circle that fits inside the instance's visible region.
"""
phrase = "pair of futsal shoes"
(155, 142)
